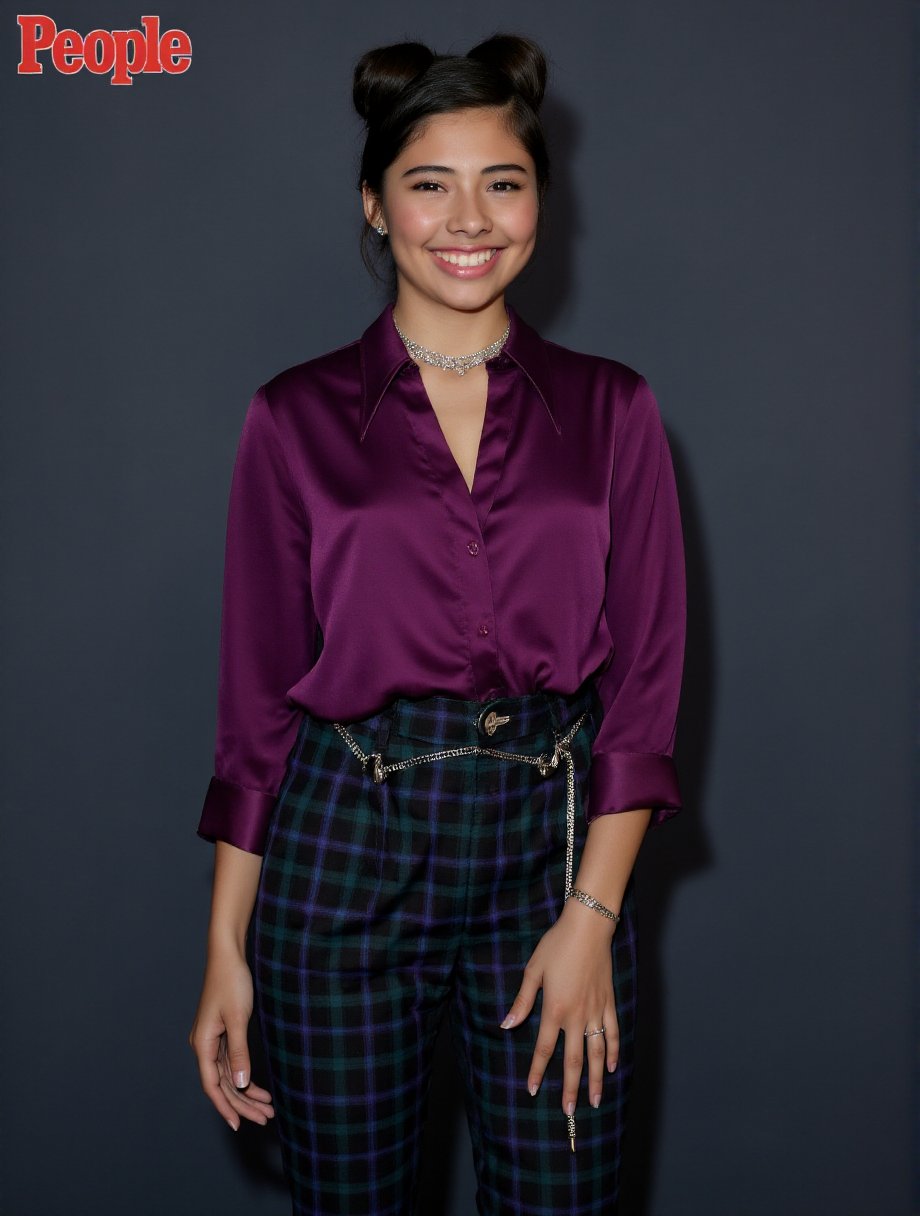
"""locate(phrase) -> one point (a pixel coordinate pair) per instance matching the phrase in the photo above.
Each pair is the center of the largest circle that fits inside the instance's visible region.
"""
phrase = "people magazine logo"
(119, 54)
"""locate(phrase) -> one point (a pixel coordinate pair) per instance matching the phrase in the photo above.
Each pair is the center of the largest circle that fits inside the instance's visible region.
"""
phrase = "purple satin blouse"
(359, 567)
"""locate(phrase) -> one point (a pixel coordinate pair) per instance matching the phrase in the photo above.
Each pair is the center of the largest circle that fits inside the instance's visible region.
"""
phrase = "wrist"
(588, 920)
(226, 940)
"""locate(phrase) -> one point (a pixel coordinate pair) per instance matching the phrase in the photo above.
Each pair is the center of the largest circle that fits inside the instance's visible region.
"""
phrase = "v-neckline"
(490, 452)
(471, 489)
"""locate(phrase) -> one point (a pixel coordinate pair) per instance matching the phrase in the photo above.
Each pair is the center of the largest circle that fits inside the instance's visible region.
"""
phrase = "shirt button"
(483, 630)
(473, 547)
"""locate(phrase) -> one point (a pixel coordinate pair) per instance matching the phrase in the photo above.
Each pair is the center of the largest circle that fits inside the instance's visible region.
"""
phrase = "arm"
(267, 633)
(645, 607)
(233, 896)
(219, 1033)
(633, 781)
(607, 861)
(266, 645)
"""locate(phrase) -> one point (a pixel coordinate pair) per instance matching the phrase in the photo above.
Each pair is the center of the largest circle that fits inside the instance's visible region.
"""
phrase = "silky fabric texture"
(383, 906)
(359, 567)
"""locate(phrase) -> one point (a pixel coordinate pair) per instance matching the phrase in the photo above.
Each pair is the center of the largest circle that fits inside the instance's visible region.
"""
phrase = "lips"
(460, 264)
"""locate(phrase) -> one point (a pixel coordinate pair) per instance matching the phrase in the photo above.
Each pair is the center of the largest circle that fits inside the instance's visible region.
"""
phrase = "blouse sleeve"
(266, 636)
(632, 756)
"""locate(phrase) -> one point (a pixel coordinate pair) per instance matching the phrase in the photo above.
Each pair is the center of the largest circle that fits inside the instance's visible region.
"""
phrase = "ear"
(372, 210)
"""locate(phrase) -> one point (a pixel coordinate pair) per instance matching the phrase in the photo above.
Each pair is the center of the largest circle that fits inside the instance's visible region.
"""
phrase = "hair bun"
(518, 58)
(381, 73)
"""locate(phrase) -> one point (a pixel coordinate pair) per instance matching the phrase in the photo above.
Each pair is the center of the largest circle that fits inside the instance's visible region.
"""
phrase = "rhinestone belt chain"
(380, 771)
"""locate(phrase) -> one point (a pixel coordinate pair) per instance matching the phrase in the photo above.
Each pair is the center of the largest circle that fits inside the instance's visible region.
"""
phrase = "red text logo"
(123, 53)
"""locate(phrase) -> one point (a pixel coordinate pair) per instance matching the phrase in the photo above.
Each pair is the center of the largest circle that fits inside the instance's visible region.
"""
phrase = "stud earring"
(380, 230)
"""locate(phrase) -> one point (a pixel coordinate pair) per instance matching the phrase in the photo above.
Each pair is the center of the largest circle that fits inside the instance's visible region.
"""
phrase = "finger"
(257, 1093)
(254, 1102)
(244, 1106)
(597, 1053)
(238, 1051)
(612, 1036)
(527, 994)
(207, 1046)
(544, 1047)
(573, 1063)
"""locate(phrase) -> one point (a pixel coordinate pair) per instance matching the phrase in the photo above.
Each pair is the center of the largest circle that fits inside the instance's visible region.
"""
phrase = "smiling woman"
(474, 218)
(451, 652)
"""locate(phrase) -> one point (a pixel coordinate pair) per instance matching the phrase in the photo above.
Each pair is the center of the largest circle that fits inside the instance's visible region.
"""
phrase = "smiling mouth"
(466, 259)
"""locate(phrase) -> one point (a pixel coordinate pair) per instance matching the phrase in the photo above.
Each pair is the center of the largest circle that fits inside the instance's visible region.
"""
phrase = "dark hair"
(396, 88)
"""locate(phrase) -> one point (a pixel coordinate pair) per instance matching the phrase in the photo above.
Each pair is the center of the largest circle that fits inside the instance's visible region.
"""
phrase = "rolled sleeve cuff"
(237, 815)
(626, 781)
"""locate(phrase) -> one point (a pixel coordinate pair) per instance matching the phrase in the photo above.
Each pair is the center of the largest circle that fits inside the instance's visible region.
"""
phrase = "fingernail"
(570, 1109)
(510, 1019)
(231, 1125)
(611, 1067)
(596, 1100)
(533, 1090)
(240, 1080)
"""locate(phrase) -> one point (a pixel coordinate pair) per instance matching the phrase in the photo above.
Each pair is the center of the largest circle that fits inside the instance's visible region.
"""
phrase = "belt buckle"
(489, 721)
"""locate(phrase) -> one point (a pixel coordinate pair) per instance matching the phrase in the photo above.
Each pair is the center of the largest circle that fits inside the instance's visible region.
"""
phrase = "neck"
(449, 330)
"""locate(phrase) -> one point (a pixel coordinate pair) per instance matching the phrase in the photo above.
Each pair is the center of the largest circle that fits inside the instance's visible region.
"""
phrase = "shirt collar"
(383, 354)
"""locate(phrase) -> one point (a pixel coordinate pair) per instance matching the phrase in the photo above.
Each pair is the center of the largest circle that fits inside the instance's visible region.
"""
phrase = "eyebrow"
(447, 169)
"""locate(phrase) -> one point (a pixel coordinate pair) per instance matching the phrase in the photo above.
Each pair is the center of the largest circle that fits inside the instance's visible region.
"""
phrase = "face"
(460, 206)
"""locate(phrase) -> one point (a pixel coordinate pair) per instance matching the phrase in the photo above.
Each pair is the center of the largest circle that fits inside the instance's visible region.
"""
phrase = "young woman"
(451, 652)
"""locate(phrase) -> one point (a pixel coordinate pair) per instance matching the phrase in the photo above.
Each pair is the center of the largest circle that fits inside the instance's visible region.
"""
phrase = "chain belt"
(380, 771)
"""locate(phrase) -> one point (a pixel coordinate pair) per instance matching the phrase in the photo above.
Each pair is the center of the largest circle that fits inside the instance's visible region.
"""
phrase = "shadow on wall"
(259, 1148)
(545, 284)
(670, 854)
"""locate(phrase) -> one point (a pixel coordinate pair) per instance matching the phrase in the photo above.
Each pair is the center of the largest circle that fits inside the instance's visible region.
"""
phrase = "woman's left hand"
(573, 964)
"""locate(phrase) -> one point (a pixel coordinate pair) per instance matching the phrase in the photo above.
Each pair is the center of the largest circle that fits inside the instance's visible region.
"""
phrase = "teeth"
(466, 259)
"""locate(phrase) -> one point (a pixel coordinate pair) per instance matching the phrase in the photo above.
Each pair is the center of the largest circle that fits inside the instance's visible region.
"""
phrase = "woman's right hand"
(219, 1039)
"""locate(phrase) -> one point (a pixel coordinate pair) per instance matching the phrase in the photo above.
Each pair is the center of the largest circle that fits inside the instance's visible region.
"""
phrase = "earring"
(380, 230)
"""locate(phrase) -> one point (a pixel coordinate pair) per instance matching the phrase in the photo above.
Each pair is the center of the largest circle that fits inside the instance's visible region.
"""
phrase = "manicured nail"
(570, 1109)
(533, 1090)
(596, 1101)
(240, 1080)
(232, 1125)
(611, 1067)
(510, 1019)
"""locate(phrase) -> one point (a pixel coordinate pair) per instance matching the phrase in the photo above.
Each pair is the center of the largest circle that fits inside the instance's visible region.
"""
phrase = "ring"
(589, 1033)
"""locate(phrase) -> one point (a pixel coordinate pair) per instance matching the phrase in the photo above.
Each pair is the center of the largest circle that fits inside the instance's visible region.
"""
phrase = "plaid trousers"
(380, 903)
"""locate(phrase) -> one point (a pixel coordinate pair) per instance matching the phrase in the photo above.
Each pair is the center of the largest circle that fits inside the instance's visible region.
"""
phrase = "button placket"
(477, 581)
(466, 514)
(476, 588)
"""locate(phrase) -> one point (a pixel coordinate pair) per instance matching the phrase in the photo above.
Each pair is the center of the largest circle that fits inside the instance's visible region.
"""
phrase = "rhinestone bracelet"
(590, 902)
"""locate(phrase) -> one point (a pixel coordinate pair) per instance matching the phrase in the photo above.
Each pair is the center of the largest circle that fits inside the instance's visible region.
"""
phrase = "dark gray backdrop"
(732, 217)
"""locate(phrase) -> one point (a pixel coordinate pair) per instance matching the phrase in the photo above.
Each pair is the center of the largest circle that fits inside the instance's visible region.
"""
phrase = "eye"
(423, 185)
(510, 186)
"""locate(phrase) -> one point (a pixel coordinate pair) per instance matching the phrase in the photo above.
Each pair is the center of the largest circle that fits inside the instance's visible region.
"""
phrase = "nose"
(469, 215)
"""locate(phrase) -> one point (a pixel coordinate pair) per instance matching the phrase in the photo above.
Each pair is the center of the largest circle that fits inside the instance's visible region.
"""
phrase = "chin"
(474, 301)
(472, 294)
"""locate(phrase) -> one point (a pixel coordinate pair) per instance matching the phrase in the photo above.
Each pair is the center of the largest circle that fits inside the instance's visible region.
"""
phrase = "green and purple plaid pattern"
(378, 905)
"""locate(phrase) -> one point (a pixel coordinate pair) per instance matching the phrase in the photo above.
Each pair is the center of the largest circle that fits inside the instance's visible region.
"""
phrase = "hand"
(572, 962)
(218, 1038)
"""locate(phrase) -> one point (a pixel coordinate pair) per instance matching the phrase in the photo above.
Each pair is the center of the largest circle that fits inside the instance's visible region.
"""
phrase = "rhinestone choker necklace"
(460, 364)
